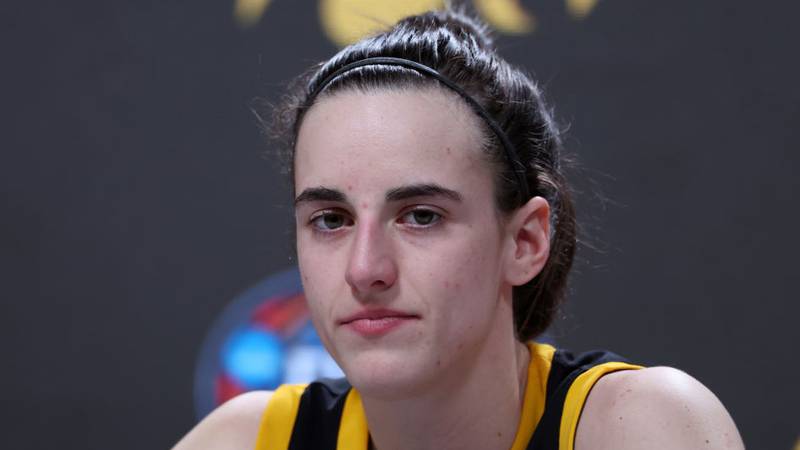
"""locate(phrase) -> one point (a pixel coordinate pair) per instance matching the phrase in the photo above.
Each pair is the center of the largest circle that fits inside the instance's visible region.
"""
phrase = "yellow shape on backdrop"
(248, 12)
(507, 16)
(347, 21)
(579, 9)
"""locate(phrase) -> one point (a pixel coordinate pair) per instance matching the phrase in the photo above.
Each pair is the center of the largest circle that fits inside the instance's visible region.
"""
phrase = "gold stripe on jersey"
(535, 392)
(576, 398)
(277, 422)
(353, 432)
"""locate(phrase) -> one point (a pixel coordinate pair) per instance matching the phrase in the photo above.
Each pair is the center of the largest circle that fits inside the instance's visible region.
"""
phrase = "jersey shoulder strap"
(569, 382)
(325, 414)
(278, 419)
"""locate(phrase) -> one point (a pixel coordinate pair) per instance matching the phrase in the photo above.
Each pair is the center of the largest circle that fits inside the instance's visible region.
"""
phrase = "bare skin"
(451, 263)
(655, 408)
(232, 426)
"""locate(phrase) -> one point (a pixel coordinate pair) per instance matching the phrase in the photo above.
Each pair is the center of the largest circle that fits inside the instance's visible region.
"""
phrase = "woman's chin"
(388, 375)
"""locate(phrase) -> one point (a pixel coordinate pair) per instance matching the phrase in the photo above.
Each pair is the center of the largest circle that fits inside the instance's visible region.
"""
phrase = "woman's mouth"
(377, 322)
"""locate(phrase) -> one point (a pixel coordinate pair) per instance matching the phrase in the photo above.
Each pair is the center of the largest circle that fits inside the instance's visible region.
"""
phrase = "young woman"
(435, 233)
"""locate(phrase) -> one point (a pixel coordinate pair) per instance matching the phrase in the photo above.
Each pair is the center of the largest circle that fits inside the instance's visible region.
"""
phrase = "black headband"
(511, 154)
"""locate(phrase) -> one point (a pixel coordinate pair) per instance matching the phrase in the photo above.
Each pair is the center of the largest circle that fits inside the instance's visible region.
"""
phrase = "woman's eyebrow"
(421, 190)
(320, 194)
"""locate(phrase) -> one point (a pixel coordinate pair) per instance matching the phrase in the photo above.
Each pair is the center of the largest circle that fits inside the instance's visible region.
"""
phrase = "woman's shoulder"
(232, 426)
(658, 407)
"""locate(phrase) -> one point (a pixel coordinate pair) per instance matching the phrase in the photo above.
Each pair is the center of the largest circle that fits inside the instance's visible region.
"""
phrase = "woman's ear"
(529, 241)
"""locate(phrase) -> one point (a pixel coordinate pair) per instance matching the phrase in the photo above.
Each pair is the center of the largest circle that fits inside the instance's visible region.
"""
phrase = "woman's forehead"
(427, 134)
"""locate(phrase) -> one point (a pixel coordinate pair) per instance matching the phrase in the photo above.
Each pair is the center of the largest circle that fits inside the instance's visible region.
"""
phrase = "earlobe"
(529, 231)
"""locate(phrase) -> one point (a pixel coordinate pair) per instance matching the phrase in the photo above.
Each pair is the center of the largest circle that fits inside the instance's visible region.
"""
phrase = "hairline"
(417, 85)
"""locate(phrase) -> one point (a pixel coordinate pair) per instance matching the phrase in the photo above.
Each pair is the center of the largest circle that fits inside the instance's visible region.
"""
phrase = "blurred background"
(146, 262)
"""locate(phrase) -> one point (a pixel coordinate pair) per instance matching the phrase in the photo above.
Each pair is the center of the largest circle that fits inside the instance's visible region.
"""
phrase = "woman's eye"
(330, 221)
(421, 217)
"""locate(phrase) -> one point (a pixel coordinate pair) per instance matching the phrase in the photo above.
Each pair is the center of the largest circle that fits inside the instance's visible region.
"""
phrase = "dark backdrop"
(136, 203)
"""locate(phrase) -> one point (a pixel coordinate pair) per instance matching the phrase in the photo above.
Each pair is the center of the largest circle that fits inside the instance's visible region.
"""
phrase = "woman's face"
(399, 245)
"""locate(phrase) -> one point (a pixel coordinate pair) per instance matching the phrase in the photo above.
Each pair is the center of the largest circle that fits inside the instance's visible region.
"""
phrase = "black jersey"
(328, 414)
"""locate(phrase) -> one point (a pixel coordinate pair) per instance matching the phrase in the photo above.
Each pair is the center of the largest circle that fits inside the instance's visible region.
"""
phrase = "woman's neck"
(478, 407)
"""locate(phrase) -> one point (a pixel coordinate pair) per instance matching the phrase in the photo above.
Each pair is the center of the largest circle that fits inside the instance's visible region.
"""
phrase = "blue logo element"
(254, 357)
(263, 338)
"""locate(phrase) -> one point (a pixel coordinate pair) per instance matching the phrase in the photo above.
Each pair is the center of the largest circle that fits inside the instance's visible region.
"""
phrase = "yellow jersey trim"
(535, 391)
(576, 398)
(353, 432)
(277, 422)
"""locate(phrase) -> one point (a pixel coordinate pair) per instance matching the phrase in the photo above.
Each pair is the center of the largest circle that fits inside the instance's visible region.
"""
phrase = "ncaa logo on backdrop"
(263, 338)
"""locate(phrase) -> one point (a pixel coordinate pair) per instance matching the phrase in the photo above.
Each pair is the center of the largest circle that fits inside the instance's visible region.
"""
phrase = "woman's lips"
(376, 322)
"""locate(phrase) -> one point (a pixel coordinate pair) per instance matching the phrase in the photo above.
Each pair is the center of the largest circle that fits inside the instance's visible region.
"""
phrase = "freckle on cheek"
(364, 205)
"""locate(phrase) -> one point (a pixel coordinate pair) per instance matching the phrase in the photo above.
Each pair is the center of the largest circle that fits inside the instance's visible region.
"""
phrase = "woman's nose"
(371, 268)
